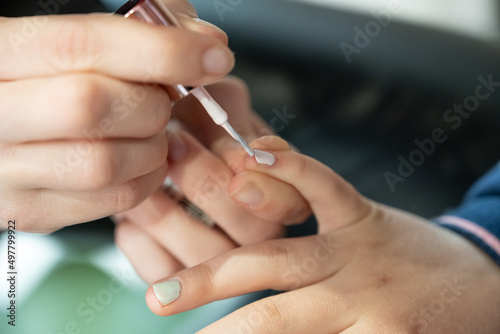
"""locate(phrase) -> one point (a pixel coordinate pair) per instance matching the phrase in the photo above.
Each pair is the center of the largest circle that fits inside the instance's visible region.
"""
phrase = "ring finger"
(180, 234)
(80, 165)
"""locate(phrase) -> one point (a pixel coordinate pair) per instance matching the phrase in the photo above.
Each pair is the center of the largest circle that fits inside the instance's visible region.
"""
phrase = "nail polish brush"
(155, 12)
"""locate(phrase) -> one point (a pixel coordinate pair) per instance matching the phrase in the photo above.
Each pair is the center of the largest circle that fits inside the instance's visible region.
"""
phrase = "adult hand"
(83, 110)
(371, 269)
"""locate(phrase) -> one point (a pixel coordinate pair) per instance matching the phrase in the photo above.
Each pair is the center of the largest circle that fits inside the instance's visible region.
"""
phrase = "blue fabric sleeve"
(481, 206)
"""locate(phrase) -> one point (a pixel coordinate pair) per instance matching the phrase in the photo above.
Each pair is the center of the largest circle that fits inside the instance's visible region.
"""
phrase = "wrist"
(475, 233)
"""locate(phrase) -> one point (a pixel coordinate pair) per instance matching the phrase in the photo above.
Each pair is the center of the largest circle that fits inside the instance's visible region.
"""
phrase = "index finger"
(268, 265)
(333, 200)
(126, 49)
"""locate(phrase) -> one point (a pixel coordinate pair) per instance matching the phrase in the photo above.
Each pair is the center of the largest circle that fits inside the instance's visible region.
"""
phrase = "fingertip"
(161, 296)
(153, 303)
(218, 61)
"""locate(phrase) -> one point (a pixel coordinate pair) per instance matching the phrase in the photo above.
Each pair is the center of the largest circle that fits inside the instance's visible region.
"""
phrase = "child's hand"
(159, 237)
(371, 269)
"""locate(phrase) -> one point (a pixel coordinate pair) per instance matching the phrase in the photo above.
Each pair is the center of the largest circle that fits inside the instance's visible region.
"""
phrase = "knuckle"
(206, 276)
(161, 116)
(277, 252)
(100, 169)
(275, 321)
(210, 183)
(73, 48)
(133, 192)
(160, 141)
(128, 196)
(79, 98)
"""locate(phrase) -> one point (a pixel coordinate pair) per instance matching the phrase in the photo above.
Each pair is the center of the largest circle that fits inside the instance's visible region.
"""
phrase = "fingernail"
(218, 61)
(250, 195)
(264, 158)
(177, 148)
(168, 291)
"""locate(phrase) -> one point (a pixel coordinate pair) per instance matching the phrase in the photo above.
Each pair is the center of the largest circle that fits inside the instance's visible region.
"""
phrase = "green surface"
(80, 298)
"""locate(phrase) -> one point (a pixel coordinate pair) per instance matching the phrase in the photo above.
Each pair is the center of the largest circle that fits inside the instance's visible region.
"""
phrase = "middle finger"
(84, 105)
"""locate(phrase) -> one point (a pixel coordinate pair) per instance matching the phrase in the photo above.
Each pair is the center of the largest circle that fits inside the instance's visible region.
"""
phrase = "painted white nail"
(264, 157)
(168, 291)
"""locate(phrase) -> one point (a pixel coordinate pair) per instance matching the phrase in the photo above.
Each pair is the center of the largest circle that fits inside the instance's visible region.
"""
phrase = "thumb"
(333, 200)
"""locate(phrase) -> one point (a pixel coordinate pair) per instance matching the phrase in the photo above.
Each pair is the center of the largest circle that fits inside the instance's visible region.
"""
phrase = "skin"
(159, 231)
(89, 141)
(382, 271)
(370, 269)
